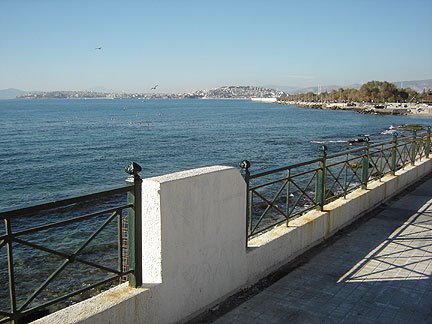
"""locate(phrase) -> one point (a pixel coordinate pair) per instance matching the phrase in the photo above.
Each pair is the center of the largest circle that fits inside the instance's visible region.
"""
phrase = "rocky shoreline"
(409, 109)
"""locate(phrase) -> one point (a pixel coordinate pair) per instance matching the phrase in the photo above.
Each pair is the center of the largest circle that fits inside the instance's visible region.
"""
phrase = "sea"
(54, 149)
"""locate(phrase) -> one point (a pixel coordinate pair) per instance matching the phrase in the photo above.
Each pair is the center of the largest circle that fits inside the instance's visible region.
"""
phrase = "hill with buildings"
(226, 92)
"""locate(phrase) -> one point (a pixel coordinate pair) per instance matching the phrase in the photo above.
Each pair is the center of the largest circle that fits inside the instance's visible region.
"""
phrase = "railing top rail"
(68, 221)
(335, 155)
(361, 148)
(64, 202)
(285, 168)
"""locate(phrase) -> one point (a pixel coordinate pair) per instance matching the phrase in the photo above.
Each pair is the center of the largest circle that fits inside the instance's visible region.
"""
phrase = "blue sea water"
(52, 149)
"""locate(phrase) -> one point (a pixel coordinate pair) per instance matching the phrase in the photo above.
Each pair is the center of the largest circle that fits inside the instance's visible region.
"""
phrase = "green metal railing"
(279, 195)
(31, 253)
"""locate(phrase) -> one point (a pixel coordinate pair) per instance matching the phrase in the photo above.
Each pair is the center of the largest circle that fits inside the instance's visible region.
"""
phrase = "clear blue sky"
(188, 45)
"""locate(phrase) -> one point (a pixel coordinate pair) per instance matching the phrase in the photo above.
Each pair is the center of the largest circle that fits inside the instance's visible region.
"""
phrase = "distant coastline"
(226, 92)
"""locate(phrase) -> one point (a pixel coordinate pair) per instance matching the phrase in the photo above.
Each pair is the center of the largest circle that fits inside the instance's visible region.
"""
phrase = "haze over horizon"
(191, 45)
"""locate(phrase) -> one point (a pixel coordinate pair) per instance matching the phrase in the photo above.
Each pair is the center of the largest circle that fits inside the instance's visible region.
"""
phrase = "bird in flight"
(154, 88)
(98, 48)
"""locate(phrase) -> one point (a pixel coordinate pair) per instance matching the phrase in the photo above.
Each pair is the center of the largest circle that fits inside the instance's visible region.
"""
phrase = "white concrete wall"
(199, 237)
(194, 252)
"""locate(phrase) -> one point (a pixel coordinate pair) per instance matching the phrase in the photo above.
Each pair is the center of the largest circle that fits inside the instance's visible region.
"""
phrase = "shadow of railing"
(403, 255)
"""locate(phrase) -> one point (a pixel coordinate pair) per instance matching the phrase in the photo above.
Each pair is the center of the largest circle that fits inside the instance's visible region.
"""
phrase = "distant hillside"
(100, 89)
(236, 92)
(418, 85)
(10, 93)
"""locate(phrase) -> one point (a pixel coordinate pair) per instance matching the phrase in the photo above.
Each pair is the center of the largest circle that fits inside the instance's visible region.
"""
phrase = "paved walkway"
(379, 273)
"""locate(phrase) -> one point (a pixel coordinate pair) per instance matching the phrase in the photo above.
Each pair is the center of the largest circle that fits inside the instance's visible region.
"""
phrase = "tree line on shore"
(373, 91)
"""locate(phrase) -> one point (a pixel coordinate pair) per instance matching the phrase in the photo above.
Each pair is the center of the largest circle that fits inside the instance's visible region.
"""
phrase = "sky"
(186, 45)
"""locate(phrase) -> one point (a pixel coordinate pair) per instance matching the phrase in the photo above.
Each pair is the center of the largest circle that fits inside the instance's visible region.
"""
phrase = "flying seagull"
(98, 48)
(154, 88)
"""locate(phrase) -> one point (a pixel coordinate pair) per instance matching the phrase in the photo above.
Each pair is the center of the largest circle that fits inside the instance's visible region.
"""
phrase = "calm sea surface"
(51, 149)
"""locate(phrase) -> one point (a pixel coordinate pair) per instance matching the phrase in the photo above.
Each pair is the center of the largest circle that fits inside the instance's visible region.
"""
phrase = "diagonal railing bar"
(281, 169)
(353, 182)
(398, 157)
(64, 203)
(347, 160)
(7, 319)
(276, 196)
(292, 176)
(373, 166)
(265, 228)
(65, 255)
(348, 179)
(304, 193)
(383, 160)
(72, 294)
(69, 260)
(2, 243)
(262, 216)
(336, 179)
(386, 163)
(386, 159)
(346, 187)
(271, 205)
(72, 220)
(354, 175)
(422, 152)
(421, 145)
(296, 204)
(3, 313)
(267, 184)
(404, 155)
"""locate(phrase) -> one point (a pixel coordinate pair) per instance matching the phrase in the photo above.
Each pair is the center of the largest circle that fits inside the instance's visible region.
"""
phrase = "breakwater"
(407, 109)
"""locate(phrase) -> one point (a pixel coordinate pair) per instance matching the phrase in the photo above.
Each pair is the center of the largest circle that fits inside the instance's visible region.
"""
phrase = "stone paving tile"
(379, 273)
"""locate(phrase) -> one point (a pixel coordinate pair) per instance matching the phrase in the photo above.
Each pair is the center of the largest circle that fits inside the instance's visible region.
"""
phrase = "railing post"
(320, 191)
(134, 225)
(394, 154)
(428, 142)
(414, 147)
(365, 163)
(245, 165)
